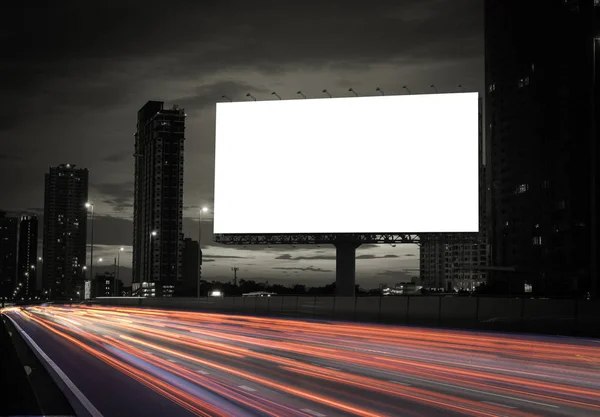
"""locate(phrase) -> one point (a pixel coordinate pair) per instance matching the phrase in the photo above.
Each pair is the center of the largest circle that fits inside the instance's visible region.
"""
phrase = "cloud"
(310, 268)
(289, 257)
(208, 95)
(119, 196)
(223, 257)
(376, 257)
(118, 156)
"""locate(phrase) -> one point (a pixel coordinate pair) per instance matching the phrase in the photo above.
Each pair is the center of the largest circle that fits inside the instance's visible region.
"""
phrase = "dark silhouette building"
(103, 285)
(65, 231)
(158, 199)
(540, 96)
(190, 267)
(27, 256)
(8, 255)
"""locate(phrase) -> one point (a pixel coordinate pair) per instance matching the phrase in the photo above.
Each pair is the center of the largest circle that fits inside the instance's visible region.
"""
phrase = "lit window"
(537, 240)
(492, 87)
(522, 188)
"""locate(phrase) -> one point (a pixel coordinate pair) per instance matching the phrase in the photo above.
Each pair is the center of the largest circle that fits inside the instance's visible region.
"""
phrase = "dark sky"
(74, 73)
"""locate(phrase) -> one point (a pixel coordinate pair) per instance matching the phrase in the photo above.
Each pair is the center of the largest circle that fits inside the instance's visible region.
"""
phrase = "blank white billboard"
(401, 164)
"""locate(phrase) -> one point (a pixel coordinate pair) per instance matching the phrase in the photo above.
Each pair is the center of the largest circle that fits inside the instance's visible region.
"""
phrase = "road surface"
(127, 361)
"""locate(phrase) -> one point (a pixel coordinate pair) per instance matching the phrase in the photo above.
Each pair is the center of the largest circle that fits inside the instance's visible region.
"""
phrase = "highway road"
(134, 362)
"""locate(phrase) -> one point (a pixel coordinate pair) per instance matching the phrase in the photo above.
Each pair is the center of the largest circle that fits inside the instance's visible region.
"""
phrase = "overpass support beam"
(345, 268)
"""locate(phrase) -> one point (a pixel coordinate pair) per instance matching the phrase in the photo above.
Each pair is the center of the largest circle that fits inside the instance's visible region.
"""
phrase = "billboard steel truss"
(314, 239)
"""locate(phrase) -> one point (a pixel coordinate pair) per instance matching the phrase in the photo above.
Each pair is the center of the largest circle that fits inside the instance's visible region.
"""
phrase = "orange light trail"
(286, 368)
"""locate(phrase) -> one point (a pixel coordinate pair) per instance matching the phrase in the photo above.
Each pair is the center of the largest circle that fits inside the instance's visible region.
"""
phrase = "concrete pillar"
(345, 268)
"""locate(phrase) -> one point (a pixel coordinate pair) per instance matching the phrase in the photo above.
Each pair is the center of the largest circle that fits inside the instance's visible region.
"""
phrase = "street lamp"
(227, 98)
(300, 93)
(202, 210)
(380, 90)
(406, 88)
(327, 92)
(434, 88)
(276, 95)
(353, 92)
(251, 96)
(90, 207)
(150, 268)
(117, 266)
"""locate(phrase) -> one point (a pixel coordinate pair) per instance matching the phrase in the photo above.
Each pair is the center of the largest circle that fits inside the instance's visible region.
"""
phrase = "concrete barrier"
(367, 308)
(262, 305)
(557, 317)
(306, 306)
(394, 310)
(459, 312)
(289, 306)
(503, 314)
(344, 308)
(588, 318)
(324, 307)
(424, 311)
(549, 316)
(276, 305)
(248, 305)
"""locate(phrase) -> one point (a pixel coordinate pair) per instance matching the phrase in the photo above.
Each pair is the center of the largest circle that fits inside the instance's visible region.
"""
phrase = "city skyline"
(96, 91)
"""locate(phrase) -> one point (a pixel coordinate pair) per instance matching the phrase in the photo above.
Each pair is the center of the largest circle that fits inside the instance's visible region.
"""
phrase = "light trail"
(220, 365)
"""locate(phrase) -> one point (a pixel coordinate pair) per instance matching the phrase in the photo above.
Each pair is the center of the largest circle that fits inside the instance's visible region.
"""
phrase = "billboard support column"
(345, 268)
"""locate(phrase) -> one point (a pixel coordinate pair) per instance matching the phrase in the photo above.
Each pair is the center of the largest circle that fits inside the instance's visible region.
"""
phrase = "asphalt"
(26, 386)
(130, 362)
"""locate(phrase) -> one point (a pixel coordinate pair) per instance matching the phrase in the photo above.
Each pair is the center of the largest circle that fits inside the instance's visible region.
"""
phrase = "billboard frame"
(315, 239)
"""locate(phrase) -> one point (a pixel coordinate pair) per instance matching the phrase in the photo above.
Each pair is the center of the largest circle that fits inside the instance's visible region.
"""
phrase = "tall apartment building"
(65, 231)
(459, 261)
(27, 257)
(8, 255)
(158, 199)
(541, 114)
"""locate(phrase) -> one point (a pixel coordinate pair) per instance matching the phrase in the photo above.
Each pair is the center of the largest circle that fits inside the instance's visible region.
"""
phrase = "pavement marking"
(312, 412)
(93, 411)
(400, 383)
(200, 371)
(148, 352)
(246, 388)
(172, 360)
(332, 368)
(499, 405)
(10, 333)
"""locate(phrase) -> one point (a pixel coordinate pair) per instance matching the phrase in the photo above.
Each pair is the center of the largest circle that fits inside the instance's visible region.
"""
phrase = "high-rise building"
(540, 120)
(8, 255)
(459, 261)
(27, 262)
(65, 231)
(158, 199)
(190, 267)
